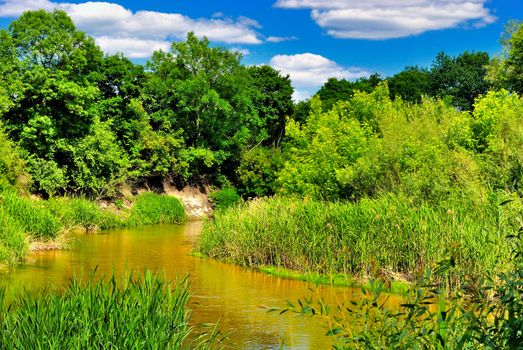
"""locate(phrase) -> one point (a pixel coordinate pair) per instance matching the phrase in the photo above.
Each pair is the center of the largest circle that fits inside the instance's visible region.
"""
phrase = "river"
(232, 295)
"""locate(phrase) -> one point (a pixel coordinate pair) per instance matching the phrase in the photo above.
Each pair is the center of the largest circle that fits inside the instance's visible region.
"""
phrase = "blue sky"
(308, 39)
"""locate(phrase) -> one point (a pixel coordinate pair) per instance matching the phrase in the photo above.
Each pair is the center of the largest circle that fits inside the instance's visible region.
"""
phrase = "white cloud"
(309, 71)
(138, 34)
(385, 19)
(133, 47)
(13, 8)
(279, 39)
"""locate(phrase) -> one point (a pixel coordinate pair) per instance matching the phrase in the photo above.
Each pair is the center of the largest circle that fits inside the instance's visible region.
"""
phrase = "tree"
(272, 98)
(335, 90)
(203, 94)
(462, 79)
(10, 85)
(506, 71)
(515, 60)
(51, 40)
(410, 84)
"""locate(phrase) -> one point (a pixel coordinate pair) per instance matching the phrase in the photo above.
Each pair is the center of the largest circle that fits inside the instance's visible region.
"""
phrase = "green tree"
(12, 166)
(258, 171)
(506, 71)
(272, 98)
(99, 164)
(410, 84)
(203, 94)
(51, 40)
(462, 79)
(335, 90)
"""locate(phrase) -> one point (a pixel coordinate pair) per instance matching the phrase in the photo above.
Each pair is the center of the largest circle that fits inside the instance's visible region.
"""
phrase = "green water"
(220, 292)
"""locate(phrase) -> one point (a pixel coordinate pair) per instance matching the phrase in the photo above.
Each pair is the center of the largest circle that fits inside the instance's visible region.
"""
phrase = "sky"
(310, 40)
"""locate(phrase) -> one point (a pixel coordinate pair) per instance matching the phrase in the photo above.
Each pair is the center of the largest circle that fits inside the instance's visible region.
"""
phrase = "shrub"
(12, 166)
(224, 198)
(152, 208)
(258, 171)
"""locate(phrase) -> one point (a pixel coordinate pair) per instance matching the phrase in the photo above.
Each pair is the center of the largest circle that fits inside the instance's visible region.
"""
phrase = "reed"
(33, 216)
(386, 237)
(145, 312)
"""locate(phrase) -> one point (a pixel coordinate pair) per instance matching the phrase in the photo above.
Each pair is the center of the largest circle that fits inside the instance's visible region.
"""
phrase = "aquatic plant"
(135, 312)
(388, 237)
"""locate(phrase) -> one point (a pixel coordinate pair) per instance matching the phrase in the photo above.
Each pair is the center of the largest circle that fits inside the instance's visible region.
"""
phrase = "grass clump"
(224, 198)
(13, 245)
(152, 208)
(32, 216)
(383, 237)
(81, 213)
(135, 313)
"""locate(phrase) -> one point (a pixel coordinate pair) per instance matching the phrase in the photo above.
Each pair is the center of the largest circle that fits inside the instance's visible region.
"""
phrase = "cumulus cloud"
(309, 71)
(138, 34)
(133, 47)
(386, 19)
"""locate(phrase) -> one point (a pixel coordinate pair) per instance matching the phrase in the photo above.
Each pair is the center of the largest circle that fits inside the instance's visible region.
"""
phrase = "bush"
(224, 198)
(368, 146)
(152, 208)
(258, 171)
(12, 166)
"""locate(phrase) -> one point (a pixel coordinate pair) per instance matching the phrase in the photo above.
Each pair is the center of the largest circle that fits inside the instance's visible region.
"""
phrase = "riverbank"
(29, 224)
(382, 238)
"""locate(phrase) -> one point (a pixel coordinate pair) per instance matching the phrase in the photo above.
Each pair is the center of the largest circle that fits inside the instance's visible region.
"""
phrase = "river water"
(232, 295)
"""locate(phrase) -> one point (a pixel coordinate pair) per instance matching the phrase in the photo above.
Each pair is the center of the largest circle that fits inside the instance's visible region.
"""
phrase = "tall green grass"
(152, 208)
(133, 313)
(33, 216)
(385, 236)
(13, 245)
(430, 317)
(81, 213)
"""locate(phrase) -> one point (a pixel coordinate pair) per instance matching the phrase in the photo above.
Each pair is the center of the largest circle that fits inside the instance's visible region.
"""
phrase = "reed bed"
(370, 238)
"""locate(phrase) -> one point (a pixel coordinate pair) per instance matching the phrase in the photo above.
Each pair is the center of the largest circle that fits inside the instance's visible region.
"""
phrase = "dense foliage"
(87, 122)
(370, 145)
